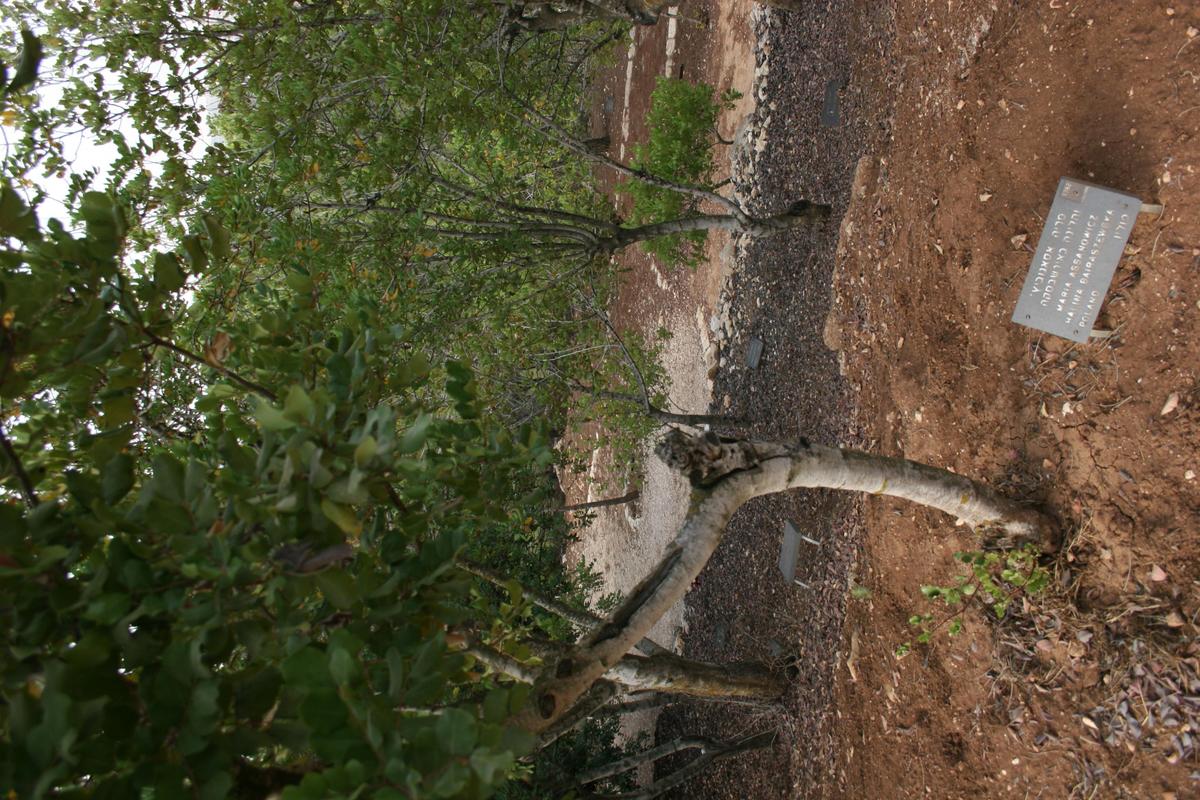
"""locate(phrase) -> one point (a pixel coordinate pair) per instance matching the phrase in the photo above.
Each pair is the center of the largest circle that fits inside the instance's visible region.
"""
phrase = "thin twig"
(31, 498)
(245, 383)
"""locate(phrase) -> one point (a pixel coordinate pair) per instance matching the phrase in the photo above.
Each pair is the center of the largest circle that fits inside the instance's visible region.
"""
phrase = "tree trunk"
(542, 17)
(663, 672)
(605, 503)
(634, 761)
(584, 620)
(672, 674)
(783, 5)
(710, 753)
(726, 474)
(802, 213)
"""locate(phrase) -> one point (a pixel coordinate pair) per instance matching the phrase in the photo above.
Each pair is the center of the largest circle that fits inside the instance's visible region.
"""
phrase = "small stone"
(960, 105)
(900, 343)
(1171, 404)
(1175, 619)
(1166, 176)
(1190, 475)
(1018, 240)
(1192, 32)
(1157, 574)
(1067, 409)
(985, 196)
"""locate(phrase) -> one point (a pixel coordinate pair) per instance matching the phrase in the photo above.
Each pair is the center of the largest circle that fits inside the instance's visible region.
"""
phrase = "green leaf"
(323, 710)
(451, 781)
(414, 438)
(168, 275)
(490, 765)
(307, 668)
(116, 479)
(27, 67)
(456, 731)
(108, 608)
(338, 587)
(495, 706)
(365, 451)
(342, 666)
(395, 663)
(271, 418)
(218, 237)
(299, 282)
(217, 787)
(193, 248)
(16, 218)
(343, 517)
(298, 406)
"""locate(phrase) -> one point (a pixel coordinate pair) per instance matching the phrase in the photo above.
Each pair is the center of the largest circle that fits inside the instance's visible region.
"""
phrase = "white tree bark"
(726, 474)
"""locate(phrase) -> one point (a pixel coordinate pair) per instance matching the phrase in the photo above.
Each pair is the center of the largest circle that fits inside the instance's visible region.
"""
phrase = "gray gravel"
(740, 607)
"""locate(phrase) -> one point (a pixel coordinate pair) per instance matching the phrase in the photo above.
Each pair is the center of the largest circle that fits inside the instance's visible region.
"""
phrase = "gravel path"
(740, 608)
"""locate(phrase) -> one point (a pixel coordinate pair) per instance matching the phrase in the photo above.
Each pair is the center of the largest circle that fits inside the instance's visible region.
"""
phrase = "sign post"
(1081, 245)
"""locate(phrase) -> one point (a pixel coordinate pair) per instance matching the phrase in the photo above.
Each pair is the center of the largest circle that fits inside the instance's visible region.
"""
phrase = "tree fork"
(726, 474)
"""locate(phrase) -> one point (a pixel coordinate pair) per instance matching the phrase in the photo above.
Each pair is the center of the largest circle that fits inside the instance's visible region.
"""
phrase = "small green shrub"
(992, 580)
(682, 122)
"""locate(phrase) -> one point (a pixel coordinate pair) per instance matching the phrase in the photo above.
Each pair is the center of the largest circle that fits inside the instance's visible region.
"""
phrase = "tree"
(237, 487)
(725, 474)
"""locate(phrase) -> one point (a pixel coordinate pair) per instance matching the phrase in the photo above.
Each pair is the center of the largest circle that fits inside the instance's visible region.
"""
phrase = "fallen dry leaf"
(1171, 404)
(1018, 240)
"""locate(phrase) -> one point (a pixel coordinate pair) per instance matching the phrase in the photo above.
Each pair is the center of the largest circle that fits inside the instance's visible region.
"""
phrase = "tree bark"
(663, 672)
(669, 673)
(710, 753)
(584, 620)
(634, 761)
(669, 417)
(727, 473)
(800, 214)
(605, 503)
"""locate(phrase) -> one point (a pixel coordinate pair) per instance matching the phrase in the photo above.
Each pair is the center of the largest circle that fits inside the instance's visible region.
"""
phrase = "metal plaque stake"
(1081, 245)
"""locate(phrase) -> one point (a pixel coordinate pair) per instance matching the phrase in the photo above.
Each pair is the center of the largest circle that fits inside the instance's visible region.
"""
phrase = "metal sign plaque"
(789, 552)
(1083, 240)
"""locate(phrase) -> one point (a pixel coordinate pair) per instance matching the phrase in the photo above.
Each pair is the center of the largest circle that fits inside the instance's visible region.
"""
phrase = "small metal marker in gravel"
(830, 115)
(789, 553)
(1081, 245)
(754, 351)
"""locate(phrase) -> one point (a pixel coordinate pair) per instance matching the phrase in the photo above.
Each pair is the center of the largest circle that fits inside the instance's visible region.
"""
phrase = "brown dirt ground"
(992, 104)
(961, 116)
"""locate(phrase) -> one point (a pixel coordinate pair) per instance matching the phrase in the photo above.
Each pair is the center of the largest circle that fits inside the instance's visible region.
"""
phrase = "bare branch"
(27, 490)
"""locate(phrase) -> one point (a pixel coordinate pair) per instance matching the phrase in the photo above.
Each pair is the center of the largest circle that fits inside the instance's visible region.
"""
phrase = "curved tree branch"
(726, 474)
